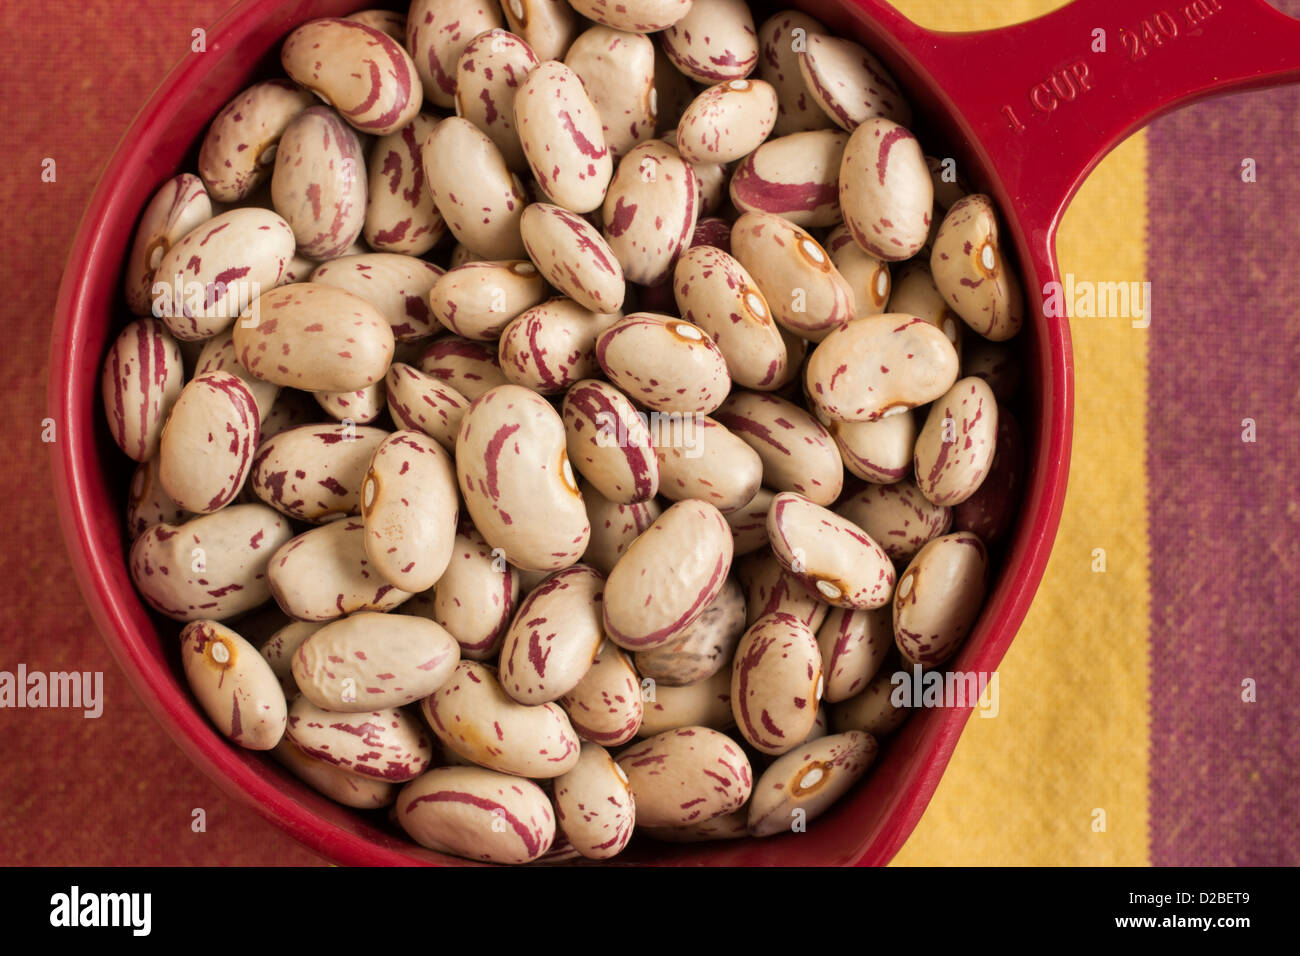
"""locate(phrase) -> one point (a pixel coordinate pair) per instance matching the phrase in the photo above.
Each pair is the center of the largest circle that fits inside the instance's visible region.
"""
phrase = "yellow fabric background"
(1071, 734)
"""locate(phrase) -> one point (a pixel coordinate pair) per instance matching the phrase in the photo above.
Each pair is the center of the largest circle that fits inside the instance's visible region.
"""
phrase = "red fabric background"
(72, 791)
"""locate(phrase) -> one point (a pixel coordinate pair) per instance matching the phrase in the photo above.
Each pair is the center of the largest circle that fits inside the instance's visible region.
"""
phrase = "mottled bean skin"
(830, 556)
(866, 275)
(361, 406)
(548, 26)
(318, 185)
(475, 717)
(562, 136)
(488, 74)
(972, 272)
(594, 804)
(798, 453)
(771, 589)
(714, 42)
(554, 638)
(668, 576)
(778, 64)
(896, 516)
(776, 683)
(340, 786)
(141, 381)
(650, 211)
(729, 826)
(727, 121)
(608, 442)
(885, 190)
(478, 300)
(205, 451)
(664, 363)
(849, 83)
(384, 744)
(148, 502)
(955, 449)
(553, 345)
(796, 177)
(871, 711)
(178, 207)
(618, 71)
(478, 814)
(279, 649)
(476, 597)
(809, 778)
(219, 355)
(518, 485)
(400, 213)
(478, 197)
(234, 684)
(699, 458)
(606, 706)
(634, 16)
(687, 775)
(314, 472)
(915, 293)
(879, 451)
(325, 574)
(437, 32)
(749, 524)
(705, 703)
(854, 644)
(213, 566)
(991, 509)
(613, 526)
(573, 257)
(398, 286)
(360, 70)
(238, 151)
(939, 598)
(704, 648)
(471, 368)
(422, 403)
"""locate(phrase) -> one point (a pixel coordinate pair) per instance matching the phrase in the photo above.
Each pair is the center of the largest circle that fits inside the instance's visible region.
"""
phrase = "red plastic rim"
(866, 827)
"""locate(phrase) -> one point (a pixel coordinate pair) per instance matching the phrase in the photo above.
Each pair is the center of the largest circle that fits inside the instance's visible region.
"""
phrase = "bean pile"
(624, 517)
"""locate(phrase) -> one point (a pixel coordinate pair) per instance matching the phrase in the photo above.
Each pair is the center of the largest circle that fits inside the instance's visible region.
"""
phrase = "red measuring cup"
(1026, 110)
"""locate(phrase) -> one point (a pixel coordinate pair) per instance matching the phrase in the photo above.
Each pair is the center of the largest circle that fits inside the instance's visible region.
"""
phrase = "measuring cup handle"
(1045, 100)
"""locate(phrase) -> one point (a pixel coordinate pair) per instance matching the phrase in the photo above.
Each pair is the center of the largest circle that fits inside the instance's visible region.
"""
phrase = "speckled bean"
(896, 516)
(206, 448)
(360, 406)
(771, 589)
(422, 403)
(474, 190)
(668, 576)
(729, 826)
(939, 597)
(778, 64)
(664, 363)
(397, 285)
(179, 206)
(885, 190)
(437, 32)
(796, 177)
(805, 782)
(339, 785)
(704, 648)
(686, 776)
(829, 555)
(471, 368)
(991, 509)
(279, 649)
(488, 74)
(234, 685)
(871, 711)
(714, 42)
(384, 744)
(594, 805)
(727, 121)
(562, 136)
(148, 503)
(218, 355)
(849, 83)
(142, 379)
(866, 275)
(548, 26)
(609, 443)
(879, 451)
(798, 453)
(239, 148)
(699, 458)
(972, 272)
(650, 211)
(854, 644)
(916, 294)
(635, 16)
(314, 472)
(573, 257)
(478, 814)
(318, 185)
(617, 69)
(554, 637)
(776, 683)
(213, 566)
(476, 597)
(614, 526)
(705, 703)
(473, 716)
(324, 574)
(478, 300)
(955, 449)
(400, 213)
(749, 524)
(553, 345)
(606, 707)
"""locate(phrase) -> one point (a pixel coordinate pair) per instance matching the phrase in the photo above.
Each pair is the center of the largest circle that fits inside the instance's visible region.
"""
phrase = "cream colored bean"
(400, 214)
(830, 556)
(896, 516)
(594, 804)
(332, 462)
(370, 661)
(213, 566)
(749, 524)
(562, 137)
(385, 21)
(854, 645)
(206, 447)
(717, 293)
(234, 685)
(476, 597)
(488, 75)
(704, 648)
(650, 211)
(664, 363)
(614, 526)
(608, 442)
(714, 42)
(668, 576)
(729, 826)
(471, 368)
(916, 294)
(990, 511)
(687, 775)
(572, 256)
(361, 406)
(554, 637)
(437, 32)
(705, 703)
(606, 707)
(478, 197)
(148, 504)
(727, 121)
(781, 38)
(218, 355)
(421, 403)
(518, 484)
(872, 711)
(339, 785)
(548, 26)
(279, 649)
(879, 451)
(771, 589)
(939, 598)
(885, 190)
(798, 453)
(473, 716)
(238, 151)
(142, 379)
(409, 505)
(805, 782)
(314, 337)
(324, 574)
(849, 83)
(478, 300)
(179, 206)
(635, 16)
(553, 345)
(912, 363)
(699, 458)
(955, 449)
(398, 286)
(384, 744)
(215, 271)
(478, 814)
(866, 275)
(618, 71)
(796, 177)
(776, 683)
(804, 290)
(318, 185)
(710, 180)
(972, 272)
(361, 71)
